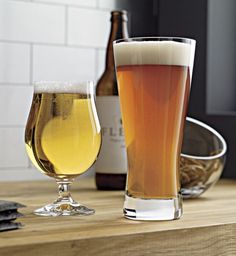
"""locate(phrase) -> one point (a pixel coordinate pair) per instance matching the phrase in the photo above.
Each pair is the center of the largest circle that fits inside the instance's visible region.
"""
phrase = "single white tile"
(14, 63)
(101, 62)
(88, 27)
(108, 4)
(32, 22)
(15, 103)
(87, 3)
(63, 63)
(12, 149)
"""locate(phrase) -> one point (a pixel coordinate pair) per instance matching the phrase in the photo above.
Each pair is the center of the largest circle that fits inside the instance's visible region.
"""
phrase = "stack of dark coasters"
(8, 214)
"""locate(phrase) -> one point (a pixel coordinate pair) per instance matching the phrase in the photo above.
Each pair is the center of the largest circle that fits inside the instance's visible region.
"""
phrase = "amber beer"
(62, 136)
(154, 84)
(153, 140)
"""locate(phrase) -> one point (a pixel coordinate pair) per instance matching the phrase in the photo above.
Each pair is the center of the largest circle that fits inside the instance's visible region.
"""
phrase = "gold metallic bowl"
(202, 158)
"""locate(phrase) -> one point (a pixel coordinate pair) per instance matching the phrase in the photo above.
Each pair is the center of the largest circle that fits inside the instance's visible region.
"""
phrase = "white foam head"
(63, 87)
(153, 53)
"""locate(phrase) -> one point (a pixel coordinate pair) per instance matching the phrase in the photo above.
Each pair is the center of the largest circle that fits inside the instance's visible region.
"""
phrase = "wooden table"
(208, 226)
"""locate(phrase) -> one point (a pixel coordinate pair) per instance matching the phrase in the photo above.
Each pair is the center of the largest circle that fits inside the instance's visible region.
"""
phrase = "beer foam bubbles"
(63, 87)
(152, 53)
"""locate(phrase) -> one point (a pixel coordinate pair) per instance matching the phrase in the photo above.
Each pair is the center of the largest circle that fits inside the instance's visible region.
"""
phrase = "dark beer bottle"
(111, 165)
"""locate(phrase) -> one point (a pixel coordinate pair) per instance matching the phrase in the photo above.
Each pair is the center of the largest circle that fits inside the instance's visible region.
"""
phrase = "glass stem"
(64, 195)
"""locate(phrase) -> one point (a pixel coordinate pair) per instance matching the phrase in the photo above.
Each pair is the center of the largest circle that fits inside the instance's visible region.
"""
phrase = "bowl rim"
(213, 131)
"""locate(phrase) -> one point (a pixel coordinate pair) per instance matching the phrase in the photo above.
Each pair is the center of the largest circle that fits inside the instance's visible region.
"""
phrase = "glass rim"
(52, 86)
(214, 132)
(58, 82)
(157, 38)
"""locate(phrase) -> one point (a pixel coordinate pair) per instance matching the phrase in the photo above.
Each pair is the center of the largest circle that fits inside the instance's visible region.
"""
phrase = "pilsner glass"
(154, 77)
(63, 138)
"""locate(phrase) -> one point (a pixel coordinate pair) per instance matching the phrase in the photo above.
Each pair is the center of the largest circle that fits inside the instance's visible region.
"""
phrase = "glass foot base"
(64, 209)
(192, 192)
(153, 209)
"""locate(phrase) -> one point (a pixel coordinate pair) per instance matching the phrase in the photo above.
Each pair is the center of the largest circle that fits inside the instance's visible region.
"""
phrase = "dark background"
(213, 24)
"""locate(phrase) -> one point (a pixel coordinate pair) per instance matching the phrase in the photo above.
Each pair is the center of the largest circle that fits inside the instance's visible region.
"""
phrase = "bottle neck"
(119, 30)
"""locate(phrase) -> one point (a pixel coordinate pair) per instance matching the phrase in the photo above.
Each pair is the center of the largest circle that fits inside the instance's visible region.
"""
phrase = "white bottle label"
(112, 158)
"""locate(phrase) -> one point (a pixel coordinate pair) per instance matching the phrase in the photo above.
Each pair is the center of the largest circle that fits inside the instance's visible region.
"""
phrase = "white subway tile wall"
(12, 150)
(14, 105)
(106, 4)
(88, 27)
(101, 61)
(43, 40)
(63, 63)
(32, 22)
(86, 3)
(14, 63)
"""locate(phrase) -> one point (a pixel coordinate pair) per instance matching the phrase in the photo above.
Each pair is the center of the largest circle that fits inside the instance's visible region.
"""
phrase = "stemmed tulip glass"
(63, 138)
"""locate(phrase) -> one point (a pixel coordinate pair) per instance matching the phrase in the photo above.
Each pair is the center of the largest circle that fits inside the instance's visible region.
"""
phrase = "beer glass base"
(64, 209)
(153, 209)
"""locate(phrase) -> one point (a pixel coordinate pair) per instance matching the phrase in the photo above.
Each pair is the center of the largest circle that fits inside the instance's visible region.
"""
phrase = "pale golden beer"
(154, 85)
(63, 138)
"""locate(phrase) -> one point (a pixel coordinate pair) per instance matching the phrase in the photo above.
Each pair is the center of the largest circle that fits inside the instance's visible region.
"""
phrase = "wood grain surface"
(208, 225)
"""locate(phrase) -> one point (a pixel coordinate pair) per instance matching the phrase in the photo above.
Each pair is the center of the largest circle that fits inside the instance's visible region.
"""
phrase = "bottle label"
(112, 158)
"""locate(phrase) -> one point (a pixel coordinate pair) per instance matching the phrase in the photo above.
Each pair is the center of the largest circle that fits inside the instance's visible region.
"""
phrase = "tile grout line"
(96, 64)
(31, 82)
(88, 7)
(66, 25)
(3, 126)
(31, 64)
(52, 44)
(2, 84)
(24, 1)
(7, 41)
(13, 168)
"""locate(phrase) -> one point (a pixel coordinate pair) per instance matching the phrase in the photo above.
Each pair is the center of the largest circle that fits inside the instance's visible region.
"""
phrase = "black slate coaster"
(9, 215)
(9, 205)
(4, 226)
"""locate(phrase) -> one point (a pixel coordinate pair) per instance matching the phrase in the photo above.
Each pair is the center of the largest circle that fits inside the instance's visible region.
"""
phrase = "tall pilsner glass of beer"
(154, 77)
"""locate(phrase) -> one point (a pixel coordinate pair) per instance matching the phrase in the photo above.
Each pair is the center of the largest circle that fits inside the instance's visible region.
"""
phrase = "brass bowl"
(202, 158)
